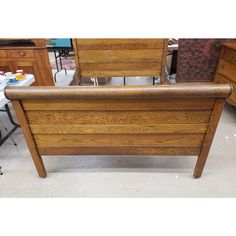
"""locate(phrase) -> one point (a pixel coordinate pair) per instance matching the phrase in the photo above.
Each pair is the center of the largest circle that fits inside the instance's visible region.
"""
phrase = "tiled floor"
(122, 176)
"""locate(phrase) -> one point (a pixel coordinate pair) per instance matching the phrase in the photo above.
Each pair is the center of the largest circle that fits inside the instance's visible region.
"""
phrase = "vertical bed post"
(215, 117)
(38, 162)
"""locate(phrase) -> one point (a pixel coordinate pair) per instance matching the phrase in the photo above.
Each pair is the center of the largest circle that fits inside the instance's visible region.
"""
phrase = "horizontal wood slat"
(160, 140)
(121, 73)
(104, 44)
(138, 104)
(117, 117)
(114, 56)
(118, 129)
(119, 150)
(120, 69)
(120, 66)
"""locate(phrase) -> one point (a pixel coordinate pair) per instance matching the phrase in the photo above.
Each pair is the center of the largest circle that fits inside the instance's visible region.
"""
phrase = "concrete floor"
(122, 176)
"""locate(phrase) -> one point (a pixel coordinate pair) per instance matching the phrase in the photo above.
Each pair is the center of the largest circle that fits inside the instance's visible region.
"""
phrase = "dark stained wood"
(29, 139)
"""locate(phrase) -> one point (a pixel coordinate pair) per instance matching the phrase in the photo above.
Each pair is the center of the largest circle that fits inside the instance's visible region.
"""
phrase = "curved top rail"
(117, 92)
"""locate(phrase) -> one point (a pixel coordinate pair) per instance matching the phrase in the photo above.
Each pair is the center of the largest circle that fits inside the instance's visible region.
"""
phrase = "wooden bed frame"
(131, 120)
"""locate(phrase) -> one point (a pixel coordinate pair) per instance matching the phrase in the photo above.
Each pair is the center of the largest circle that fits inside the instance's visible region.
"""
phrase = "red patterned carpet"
(67, 63)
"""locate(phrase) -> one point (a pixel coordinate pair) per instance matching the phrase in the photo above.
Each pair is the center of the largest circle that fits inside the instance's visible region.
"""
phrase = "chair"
(119, 58)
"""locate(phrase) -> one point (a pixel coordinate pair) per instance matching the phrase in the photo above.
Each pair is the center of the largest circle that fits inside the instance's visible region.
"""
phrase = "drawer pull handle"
(22, 53)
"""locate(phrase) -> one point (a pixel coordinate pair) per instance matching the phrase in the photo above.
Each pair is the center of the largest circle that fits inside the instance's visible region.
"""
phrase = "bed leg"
(38, 162)
(201, 160)
(215, 117)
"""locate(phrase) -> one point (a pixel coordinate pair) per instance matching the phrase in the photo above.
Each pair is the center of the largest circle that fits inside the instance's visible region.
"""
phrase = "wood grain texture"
(197, 90)
(221, 79)
(181, 120)
(125, 73)
(20, 53)
(119, 150)
(129, 140)
(119, 57)
(219, 105)
(117, 117)
(3, 53)
(38, 162)
(120, 129)
(119, 44)
(106, 105)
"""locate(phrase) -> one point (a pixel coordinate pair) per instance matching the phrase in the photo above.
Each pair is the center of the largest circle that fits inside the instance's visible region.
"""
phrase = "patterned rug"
(67, 63)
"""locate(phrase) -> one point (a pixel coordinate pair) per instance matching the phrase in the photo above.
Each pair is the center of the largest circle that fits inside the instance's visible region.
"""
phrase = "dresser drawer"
(229, 55)
(3, 54)
(20, 53)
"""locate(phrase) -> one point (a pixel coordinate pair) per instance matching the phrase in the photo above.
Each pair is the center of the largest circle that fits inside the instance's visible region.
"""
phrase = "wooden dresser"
(30, 55)
(226, 69)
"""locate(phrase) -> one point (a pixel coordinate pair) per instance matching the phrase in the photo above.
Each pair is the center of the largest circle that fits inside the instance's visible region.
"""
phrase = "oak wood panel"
(160, 140)
(119, 129)
(138, 104)
(109, 56)
(126, 73)
(120, 66)
(119, 150)
(115, 69)
(46, 77)
(226, 69)
(201, 161)
(20, 53)
(104, 44)
(3, 54)
(117, 117)
(29, 139)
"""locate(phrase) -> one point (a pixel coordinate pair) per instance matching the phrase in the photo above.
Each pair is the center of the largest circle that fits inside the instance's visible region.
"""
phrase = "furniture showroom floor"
(122, 176)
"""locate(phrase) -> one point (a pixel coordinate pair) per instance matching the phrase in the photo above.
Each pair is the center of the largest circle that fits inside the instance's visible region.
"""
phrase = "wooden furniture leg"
(219, 105)
(38, 162)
